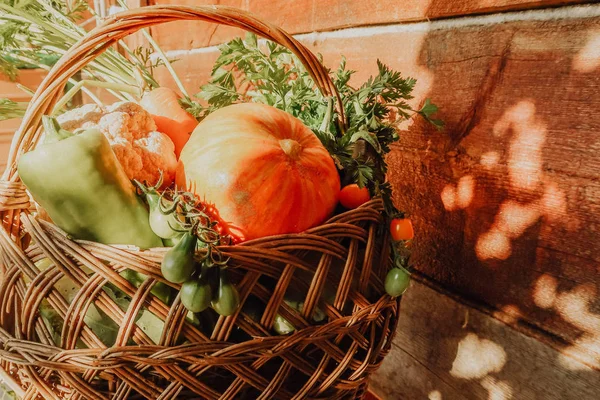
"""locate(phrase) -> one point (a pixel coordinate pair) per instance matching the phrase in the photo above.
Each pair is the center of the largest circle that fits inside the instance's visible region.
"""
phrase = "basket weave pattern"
(347, 256)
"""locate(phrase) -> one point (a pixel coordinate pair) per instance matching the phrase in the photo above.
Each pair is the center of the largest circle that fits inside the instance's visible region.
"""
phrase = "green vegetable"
(283, 327)
(227, 299)
(39, 32)
(101, 324)
(160, 290)
(170, 242)
(6, 393)
(163, 219)
(78, 180)
(178, 264)
(196, 294)
(397, 281)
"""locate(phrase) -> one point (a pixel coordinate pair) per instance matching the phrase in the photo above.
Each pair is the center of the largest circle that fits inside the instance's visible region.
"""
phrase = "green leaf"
(428, 108)
(363, 175)
(10, 109)
(368, 137)
(251, 39)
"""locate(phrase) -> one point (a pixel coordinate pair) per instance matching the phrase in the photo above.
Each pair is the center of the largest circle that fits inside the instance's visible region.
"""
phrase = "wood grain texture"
(318, 15)
(506, 200)
(446, 350)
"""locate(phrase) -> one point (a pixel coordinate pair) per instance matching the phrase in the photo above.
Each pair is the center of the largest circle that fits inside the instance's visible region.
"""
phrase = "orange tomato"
(401, 229)
(352, 196)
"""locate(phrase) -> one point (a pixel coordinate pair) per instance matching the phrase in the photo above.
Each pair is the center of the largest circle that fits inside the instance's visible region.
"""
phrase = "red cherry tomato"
(401, 229)
(352, 196)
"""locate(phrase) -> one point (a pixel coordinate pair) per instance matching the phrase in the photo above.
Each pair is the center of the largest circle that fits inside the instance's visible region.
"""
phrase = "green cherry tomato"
(196, 295)
(282, 326)
(397, 281)
(178, 264)
(163, 225)
(227, 299)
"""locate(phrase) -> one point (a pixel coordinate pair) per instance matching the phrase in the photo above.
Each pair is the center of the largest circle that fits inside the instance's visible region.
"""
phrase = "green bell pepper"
(80, 183)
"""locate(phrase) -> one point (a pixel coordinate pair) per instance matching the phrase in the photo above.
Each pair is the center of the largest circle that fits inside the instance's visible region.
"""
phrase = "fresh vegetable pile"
(257, 152)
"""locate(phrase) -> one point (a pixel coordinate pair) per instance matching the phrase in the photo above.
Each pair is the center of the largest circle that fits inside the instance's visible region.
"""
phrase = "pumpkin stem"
(291, 148)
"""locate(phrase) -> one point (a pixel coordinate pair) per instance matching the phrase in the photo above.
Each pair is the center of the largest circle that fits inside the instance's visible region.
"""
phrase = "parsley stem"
(325, 125)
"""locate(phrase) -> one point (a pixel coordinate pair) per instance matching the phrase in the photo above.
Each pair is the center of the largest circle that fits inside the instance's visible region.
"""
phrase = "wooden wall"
(28, 78)
(505, 201)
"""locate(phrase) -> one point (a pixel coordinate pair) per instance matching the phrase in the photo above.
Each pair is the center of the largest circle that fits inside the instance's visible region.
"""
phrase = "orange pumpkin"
(263, 170)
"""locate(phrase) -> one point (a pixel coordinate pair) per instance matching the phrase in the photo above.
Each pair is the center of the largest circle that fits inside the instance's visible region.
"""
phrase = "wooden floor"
(447, 350)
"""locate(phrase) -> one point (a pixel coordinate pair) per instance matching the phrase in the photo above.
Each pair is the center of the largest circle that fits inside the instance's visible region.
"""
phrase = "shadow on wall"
(506, 200)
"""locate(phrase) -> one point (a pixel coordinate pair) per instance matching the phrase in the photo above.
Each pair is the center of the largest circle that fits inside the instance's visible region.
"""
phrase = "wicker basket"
(241, 357)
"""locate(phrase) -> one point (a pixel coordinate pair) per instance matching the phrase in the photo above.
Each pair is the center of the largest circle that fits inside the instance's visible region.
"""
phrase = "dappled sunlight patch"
(435, 395)
(544, 291)
(574, 307)
(539, 198)
(514, 218)
(465, 190)
(525, 150)
(553, 202)
(497, 389)
(517, 116)
(569, 359)
(489, 159)
(493, 244)
(476, 358)
(591, 355)
(509, 314)
(448, 196)
(525, 159)
(588, 58)
(459, 196)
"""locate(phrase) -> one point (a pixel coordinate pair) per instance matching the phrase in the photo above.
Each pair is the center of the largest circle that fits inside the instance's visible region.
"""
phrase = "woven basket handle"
(125, 23)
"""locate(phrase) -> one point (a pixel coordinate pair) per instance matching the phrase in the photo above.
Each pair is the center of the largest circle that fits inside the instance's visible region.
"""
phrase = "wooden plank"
(446, 350)
(506, 200)
(316, 15)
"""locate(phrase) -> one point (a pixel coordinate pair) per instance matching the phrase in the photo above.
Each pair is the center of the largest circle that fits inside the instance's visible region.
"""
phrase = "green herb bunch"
(36, 33)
